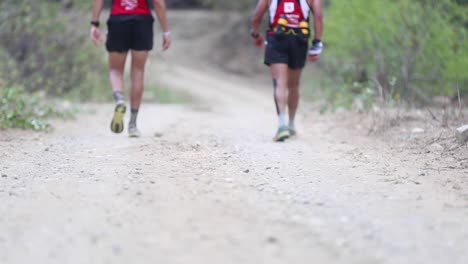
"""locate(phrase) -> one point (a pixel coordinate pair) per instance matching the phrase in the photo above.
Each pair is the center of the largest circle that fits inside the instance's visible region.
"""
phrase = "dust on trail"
(205, 184)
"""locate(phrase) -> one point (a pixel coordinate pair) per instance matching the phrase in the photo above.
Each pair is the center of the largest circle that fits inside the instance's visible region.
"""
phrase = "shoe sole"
(282, 136)
(292, 134)
(117, 124)
(134, 135)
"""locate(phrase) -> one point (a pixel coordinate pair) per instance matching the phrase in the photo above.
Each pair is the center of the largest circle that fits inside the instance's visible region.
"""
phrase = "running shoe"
(117, 124)
(133, 132)
(282, 134)
(292, 132)
(317, 47)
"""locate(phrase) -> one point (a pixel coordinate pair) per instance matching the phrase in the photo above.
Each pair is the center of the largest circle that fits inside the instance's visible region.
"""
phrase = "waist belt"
(285, 30)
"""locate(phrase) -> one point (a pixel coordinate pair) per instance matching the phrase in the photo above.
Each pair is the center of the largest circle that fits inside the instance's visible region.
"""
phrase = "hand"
(259, 41)
(95, 35)
(166, 42)
(313, 58)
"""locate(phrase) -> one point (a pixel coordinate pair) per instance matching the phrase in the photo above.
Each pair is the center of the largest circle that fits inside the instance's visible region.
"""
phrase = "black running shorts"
(129, 32)
(286, 49)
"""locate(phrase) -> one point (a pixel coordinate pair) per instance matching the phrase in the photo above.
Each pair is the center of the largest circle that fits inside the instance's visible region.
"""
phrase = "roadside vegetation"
(389, 52)
(44, 59)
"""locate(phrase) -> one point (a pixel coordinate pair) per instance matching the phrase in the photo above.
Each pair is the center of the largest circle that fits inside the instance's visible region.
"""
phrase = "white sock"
(282, 122)
(291, 124)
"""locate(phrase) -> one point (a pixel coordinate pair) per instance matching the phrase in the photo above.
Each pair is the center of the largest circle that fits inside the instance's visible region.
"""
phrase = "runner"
(130, 28)
(287, 50)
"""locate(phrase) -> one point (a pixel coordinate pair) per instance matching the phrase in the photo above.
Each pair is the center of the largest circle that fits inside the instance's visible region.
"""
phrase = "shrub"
(45, 53)
(19, 109)
(406, 49)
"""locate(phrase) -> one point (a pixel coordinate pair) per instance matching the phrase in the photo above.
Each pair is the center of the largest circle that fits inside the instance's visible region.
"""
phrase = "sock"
(118, 97)
(133, 117)
(291, 124)
(282, 120)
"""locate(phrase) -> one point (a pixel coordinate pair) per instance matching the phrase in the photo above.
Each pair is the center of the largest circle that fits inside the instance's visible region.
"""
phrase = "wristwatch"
(253, 34)
(95, 23)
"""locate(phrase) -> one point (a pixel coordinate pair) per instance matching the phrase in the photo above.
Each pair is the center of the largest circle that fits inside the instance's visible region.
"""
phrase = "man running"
(287, 50)
(130, 28)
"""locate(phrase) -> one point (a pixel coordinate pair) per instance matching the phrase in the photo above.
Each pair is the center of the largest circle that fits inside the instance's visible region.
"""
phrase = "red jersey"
(294, 11)
(130, 7)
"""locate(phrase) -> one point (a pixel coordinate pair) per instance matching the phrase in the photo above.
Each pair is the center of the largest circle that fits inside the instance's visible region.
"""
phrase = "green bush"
(45, 52)
(401, 49)
(19, 109)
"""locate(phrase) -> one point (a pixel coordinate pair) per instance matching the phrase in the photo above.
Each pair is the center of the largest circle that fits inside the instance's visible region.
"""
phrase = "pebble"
(247, 171)
(272, 240)
(116, 250)
(436, 147)
(4, 175)
(417, 130)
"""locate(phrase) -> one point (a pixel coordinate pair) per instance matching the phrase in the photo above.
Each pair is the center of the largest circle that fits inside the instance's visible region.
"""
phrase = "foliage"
(400, 49)
(45, 53)
(19, 109)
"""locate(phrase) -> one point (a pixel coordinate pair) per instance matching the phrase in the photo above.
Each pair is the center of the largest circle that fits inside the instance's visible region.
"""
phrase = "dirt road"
(206, 184)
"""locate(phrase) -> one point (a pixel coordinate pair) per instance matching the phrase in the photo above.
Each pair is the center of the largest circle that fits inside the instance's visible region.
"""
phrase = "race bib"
(129, 4)
(288, 7)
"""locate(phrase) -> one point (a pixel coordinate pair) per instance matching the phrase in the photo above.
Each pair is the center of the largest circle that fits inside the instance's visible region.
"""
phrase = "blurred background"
(393, 53)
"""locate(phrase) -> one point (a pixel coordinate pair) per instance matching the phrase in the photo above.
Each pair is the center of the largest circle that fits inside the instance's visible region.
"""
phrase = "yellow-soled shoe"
(282, 134)
(117, 124)
(133, 132)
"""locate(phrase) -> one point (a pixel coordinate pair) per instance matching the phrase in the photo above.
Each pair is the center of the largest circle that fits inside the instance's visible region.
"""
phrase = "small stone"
(453, 147)
(436, 147)
(417, 130)
(4, 175)
(462, 134)
(247, 171)
(116, 250)
(158, 135)
(272, 240)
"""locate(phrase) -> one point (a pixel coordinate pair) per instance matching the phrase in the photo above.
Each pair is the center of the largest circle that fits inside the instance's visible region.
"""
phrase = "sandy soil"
(206, 184)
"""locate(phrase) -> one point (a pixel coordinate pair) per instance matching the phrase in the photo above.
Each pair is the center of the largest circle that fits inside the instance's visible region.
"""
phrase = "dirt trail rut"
(205, 184)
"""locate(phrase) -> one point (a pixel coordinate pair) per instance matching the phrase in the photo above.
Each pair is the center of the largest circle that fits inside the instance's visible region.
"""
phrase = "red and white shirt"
(130, 7)
(294, 11)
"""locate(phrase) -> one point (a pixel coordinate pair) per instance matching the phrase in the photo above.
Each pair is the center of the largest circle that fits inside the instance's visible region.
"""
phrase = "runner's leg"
(279, 73)
(294, 77)
(137, 74)
(116, 71)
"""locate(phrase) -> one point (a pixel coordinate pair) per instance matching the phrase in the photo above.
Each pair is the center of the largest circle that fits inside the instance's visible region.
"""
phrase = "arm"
(316, 7)
(260, 10)
(95, 33)
(97, 8)
(160, 9)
